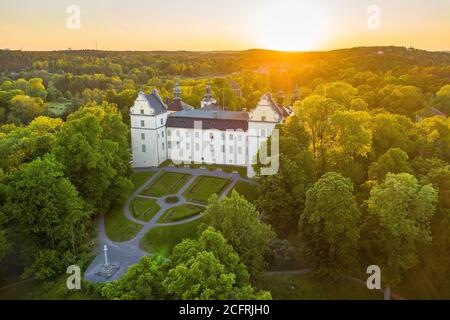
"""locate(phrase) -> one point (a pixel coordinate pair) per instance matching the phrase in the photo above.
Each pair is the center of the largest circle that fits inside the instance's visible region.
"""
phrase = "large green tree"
(93, 146)
(329, 228)
(395, 160)
(398, 221)
(239, 222)
(50, 216)
(208, 268)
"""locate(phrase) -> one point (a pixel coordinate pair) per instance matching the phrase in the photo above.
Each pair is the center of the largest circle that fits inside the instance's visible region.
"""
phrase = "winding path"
(129, 252)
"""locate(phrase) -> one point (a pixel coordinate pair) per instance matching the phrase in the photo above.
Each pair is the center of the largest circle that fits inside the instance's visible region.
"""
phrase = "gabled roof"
(279, 110)
(156, 102)
(178, 105)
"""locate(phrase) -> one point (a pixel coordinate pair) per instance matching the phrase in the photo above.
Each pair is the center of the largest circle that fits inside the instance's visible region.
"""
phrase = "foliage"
(330, 227)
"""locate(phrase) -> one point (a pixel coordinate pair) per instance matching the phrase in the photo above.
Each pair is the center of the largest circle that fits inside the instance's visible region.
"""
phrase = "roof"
(278, 109)
(156, 102)
(211, 119)
(178, 105)
(430, 112)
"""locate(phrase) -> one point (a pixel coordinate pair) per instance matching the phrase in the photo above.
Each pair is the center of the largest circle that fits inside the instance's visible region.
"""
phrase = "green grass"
(144, 209)
(118, 227)
(167, 183)
(180, 213)
(161, 240)
(247, 190)
(307, 287)
(139, 178)
(229, 169)
(58, 107)
(204, 186)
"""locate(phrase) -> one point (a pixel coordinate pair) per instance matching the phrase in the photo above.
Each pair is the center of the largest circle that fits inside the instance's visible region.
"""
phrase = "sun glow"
(290, 25)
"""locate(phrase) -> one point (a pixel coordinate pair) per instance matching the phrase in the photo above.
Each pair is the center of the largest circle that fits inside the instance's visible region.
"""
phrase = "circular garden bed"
(172, 199)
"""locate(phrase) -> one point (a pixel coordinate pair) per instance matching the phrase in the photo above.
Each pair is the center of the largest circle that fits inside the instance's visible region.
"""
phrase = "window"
(223, 148)
(187, 146)
(162, 134)
(263, 118)
(211, 135)
(163, 146)
(239, 150)
(161, 121)
(211, 148)
(142, 111)
(231, 136)
(168, 133)
(142, 123)
(169, 144)
(197, 147)
(143, 136)
(231, 149)
(223, 135)
(196, 135)
(143, 148)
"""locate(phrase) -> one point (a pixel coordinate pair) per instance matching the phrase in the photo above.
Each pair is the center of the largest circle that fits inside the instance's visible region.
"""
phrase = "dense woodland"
(364, 165)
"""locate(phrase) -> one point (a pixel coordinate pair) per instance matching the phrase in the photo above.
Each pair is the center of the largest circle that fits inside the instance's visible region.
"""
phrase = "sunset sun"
(289, 26)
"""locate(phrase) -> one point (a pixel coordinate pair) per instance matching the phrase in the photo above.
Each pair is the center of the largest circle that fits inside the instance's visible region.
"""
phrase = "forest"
(364, 172)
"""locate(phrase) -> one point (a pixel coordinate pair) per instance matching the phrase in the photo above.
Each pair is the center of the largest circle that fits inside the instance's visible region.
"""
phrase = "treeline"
(55, 177)
(358, 187)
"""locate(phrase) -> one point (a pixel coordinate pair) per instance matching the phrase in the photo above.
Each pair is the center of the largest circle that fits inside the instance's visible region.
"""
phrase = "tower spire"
(177, 91)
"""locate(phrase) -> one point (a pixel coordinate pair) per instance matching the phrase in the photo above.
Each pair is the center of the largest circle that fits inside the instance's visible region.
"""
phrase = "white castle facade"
(209, 135)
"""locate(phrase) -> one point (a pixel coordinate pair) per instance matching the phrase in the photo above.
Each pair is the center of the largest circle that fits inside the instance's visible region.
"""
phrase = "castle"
(210, 135)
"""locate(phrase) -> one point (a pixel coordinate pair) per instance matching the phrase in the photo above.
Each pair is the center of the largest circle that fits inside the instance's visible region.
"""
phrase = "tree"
(443, 99)
(398, 221)
(391, 131)
(25, 108)
(395, 160)
(315, 112)
(405, 100)
(329, 228)
(93, 146)
(51, 215)
(434, 138)
(238, 221)
(36, 88)
(208, 268)
(341, 92)
(142, 281)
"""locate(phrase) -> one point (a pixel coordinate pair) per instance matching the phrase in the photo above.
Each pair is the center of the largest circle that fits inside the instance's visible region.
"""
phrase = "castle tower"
(148, 130)
(208, 100)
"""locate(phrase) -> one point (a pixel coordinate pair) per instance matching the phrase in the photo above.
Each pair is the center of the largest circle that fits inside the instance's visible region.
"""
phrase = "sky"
(289, 25)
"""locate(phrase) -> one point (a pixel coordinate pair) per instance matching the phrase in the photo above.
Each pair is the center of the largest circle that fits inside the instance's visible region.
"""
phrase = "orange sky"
(223, 25)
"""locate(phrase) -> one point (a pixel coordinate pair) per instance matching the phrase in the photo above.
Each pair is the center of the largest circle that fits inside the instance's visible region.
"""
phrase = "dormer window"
(263, 118)
(142, 111)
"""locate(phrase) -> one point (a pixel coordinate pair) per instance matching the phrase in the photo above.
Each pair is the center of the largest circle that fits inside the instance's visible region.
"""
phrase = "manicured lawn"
(180, 213)
(204, 186)
(139, 178)
(306, 287)
(229, 169)
(118, 227)
(247, 190)
(167, 183)
(144, 209)
(161, 240)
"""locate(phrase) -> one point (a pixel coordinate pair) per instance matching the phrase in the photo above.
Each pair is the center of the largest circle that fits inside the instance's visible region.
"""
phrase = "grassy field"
(180, 213)
(247, 190)
(306, 287)
(144, 209)
(167, 183)
(138, 178)
(203, 187)
(118, 227)
(161, 240)
(58, 107)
